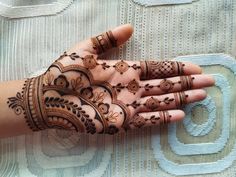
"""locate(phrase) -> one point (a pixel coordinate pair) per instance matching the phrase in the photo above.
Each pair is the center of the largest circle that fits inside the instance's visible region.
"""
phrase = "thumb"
(105, 41)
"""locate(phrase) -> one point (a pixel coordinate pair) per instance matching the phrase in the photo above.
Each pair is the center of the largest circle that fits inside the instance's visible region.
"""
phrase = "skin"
(12, 124)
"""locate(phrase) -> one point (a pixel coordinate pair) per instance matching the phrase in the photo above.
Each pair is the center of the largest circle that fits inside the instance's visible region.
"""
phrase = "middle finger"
(175, 84)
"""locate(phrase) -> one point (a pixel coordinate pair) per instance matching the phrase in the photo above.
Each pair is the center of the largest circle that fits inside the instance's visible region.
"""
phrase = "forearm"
(12, 121)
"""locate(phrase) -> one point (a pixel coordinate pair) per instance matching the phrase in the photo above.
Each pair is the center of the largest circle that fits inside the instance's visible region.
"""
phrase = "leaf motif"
(112, 117)
(77, 83)
(105, 66)
(98, 97)
(18, 95)
(16, 103)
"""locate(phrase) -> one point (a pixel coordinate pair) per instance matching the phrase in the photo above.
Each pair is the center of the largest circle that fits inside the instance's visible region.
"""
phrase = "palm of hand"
(82, 93)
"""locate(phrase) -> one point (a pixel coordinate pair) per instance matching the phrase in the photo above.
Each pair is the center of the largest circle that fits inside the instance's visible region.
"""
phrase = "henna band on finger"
(186, 82)
(165, 117)
(180, 99)
(161, 69)
(139, 121)
(104, 42)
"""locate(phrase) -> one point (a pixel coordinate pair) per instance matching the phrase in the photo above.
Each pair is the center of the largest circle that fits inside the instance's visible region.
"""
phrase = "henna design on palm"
(81, 93)
(58, 112)
(76, 82)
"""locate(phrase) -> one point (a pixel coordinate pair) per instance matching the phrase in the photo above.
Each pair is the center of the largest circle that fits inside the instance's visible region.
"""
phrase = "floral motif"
(61, 81)
(87, 92)
(166, 85)
(16, 103)
(121, 67)
(138, 121)
(133, 86)
(98, 97)
(76, 83)
(104, 107)
(89, 62)
(112, 129)
(152, 103)
(112, 117)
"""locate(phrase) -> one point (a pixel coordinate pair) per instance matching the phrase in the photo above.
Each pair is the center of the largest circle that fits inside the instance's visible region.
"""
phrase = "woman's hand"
(84, 93)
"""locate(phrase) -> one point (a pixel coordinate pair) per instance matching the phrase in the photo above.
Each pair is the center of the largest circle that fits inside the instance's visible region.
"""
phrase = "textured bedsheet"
(34, 33)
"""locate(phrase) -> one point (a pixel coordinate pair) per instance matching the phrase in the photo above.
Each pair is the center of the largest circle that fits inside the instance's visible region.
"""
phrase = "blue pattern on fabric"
(203, 129)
